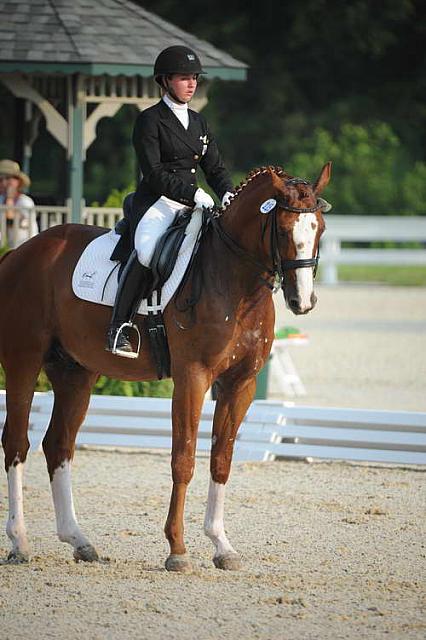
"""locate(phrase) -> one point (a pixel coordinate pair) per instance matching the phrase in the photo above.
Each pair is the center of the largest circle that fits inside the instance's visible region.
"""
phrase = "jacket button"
(192, 170)
(173, 170)
(196, 157)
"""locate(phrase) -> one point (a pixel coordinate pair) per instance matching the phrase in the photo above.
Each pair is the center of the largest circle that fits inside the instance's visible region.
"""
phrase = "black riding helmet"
(176, 59)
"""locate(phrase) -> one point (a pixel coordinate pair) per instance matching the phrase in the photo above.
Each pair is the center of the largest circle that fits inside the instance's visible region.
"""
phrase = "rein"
(212, 217)
(279, 266)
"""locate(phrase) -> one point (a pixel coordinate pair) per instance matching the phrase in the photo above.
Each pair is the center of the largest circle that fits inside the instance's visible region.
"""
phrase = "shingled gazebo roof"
(103, 37)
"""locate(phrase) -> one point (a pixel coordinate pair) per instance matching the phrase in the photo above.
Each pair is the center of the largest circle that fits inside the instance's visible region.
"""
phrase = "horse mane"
(255, 173)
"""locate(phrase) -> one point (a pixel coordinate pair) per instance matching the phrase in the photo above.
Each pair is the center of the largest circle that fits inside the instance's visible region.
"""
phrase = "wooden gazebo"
(76, 62)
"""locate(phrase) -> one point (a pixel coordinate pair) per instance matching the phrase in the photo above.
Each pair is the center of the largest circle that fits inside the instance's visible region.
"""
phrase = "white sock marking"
(66, 521)
(213, 522)
(15, 527)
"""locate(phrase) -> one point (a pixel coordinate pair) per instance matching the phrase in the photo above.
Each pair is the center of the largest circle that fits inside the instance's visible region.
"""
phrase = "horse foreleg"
(189, 391)
(72, 395)
(231, 407)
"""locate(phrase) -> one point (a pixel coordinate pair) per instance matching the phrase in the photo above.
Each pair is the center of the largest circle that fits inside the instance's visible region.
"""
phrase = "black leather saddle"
(167, 248)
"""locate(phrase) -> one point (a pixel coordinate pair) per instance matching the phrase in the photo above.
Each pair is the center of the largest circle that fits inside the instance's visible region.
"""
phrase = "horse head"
(299, 226)
(275, 223)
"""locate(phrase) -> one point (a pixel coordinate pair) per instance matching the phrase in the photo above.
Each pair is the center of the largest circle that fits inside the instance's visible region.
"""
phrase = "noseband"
(279, 266)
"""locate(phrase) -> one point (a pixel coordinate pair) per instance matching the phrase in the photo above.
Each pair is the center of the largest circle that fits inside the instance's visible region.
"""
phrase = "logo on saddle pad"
(87, 280)
(268, 205)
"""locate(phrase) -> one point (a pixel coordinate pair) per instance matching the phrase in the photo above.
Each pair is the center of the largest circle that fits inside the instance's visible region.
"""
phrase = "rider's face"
(183, 85)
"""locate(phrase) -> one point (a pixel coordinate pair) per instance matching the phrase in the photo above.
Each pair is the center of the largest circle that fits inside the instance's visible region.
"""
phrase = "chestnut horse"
(271, 228)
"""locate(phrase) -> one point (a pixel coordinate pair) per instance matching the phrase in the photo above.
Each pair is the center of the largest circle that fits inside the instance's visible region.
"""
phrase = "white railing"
(99, 216)
(340, 229)
(102, 216)
(270, 430)
(21, 227)
(368, 228)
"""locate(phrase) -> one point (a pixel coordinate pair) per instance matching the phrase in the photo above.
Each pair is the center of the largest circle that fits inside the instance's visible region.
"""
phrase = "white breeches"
(152, 225)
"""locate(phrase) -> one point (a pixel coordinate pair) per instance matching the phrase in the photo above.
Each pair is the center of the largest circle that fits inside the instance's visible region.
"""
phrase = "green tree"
(371, 172)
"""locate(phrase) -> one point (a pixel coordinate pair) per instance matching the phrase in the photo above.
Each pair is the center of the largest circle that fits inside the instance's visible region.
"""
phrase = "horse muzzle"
(297, 306)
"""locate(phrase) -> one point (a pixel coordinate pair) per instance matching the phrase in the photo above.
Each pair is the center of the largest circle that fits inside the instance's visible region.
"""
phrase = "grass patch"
(406, 276)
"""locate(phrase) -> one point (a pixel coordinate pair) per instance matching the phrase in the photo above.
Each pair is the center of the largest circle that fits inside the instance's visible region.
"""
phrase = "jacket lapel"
(189, 136)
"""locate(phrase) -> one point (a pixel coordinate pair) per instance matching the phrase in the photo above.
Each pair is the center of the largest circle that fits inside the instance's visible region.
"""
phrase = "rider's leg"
(152, 225)
(136, 280)
(134, 285)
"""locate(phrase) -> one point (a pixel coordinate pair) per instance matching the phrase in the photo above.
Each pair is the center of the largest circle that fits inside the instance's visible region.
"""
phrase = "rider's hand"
(226, 199)
(203, 199)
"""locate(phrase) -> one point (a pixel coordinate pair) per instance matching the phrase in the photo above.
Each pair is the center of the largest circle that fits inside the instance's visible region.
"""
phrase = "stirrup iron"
(126, 354)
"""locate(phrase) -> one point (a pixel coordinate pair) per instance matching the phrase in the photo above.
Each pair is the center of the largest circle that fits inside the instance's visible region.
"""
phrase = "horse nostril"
(294, 302)
(313, 299)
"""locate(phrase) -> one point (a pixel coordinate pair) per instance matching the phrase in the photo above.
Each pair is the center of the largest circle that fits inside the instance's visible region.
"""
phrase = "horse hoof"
(228, 562)
(17, 557)
(179, 563)
(86, 553)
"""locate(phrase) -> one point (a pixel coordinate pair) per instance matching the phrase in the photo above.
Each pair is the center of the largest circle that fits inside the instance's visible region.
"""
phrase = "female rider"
(171, 141)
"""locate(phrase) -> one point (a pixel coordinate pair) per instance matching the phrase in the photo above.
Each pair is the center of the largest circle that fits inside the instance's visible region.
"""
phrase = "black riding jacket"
(169, 155)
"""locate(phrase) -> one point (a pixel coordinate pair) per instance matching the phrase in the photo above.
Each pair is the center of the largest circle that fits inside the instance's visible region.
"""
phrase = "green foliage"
(414, 189)
(42, 384)
(310, 64)
(314, 68)
(109, 387)
(116, 197)
(371, 173)
(153, 388)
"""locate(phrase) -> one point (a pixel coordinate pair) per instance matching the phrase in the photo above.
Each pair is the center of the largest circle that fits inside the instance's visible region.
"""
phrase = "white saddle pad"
(95, 275)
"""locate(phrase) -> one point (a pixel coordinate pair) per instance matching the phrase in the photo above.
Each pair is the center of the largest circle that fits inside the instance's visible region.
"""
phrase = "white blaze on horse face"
(304, 234)
(15, 527)
(66, 521)
(213, 522)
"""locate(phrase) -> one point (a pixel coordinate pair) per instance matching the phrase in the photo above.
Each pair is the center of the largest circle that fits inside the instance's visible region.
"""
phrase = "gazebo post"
(76, 155)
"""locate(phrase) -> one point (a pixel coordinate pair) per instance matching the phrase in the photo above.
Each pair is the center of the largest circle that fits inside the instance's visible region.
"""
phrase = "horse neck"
(242, 221)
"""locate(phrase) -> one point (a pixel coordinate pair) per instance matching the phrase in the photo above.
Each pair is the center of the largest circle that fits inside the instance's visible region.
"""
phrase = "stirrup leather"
(126, 354)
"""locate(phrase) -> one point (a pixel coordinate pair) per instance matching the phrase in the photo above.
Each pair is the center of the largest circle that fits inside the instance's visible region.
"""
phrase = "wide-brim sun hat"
(12, 169)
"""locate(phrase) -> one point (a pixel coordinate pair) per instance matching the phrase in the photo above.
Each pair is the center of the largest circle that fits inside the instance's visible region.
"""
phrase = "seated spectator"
(20, 217)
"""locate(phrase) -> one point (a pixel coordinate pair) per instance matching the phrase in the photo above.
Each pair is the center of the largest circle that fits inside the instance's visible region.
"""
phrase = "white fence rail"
(50, 216)
(364, 229)
(340, 229)
(270, 430)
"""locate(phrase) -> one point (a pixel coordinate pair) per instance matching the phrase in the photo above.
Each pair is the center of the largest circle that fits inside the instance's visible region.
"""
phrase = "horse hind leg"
(20, 382)
(72, 385)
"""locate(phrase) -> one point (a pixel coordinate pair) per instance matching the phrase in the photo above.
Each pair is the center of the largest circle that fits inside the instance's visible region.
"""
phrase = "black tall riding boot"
(134, 285)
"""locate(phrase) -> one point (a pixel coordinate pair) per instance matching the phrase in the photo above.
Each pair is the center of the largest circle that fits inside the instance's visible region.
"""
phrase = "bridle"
(279, 266)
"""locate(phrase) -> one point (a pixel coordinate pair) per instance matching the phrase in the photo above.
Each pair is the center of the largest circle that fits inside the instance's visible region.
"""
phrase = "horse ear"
(323, 178)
